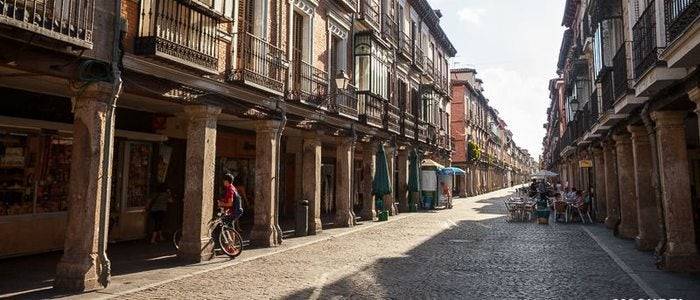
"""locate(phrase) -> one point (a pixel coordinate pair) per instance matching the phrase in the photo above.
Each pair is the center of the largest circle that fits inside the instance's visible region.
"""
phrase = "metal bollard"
(302, 219)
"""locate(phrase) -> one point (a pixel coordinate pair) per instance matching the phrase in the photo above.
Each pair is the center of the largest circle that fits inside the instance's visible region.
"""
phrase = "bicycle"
(224, 234)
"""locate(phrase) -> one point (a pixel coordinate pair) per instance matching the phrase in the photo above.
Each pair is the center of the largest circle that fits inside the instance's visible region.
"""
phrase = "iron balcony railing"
(422, 129)
(69, 21)
(389, 29)
(175, 32)
(409, 125)
(644, 44)
(352, 4)
(429, 67)
(371, 108)
(620, 83)
(369, 12)
(594, 106)
(679, 15)
(405, 45)
(392, 119)
(608, 91)
(309, 84)
(260, 63)
(346, 102)
(418, 57)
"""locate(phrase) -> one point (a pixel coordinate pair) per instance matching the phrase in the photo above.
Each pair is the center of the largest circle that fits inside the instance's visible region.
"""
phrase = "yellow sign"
(585, 163)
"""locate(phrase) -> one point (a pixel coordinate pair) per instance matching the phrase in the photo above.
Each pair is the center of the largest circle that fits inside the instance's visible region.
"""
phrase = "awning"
(431, 163)
(452, 171)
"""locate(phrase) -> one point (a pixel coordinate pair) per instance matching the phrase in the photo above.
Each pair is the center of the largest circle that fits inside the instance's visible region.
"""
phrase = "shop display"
(52, 188)
(138, 175)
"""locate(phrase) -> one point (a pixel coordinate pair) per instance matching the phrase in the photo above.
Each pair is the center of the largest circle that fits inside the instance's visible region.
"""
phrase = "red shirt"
(228, 197)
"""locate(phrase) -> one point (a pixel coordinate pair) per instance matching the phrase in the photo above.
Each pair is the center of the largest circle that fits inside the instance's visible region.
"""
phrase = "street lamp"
(574, 105)
(341, 80)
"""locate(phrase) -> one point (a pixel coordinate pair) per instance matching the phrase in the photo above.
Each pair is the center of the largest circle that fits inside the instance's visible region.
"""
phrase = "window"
(372, 67)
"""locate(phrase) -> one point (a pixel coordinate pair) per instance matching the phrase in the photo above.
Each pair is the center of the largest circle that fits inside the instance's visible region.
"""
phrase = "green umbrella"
(382, 184)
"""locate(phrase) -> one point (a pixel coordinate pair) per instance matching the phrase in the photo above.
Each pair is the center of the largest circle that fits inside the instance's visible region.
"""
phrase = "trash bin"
(302, 219)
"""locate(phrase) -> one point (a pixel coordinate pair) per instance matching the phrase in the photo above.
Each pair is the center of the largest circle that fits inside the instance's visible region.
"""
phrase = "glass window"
(138, 174)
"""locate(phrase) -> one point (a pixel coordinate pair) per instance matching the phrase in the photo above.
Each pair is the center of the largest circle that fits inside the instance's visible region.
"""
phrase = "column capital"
(99, 91)
(671, 118)
(694, 95)
(269, 126)
(638, 132)
(608, 144)
(595, 150)
(201, 111)
(622, 138)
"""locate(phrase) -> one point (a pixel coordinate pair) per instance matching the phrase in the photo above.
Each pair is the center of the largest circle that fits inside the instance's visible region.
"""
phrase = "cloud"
(471, 15)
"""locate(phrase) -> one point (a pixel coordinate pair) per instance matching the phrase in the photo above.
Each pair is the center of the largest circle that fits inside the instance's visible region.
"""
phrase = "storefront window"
(34, 172)
(139, 174)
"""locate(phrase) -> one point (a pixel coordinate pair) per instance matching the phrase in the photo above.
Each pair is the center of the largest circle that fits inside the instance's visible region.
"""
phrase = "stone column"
(369, 213)
(82, 267)
(266, 232)
(681, 253)
(402, 189)
(599, 165)
(196, 244)
(390, 199)
(612, 197)
(344, 216)
(648, 231)
(625, 178)
(311, 180)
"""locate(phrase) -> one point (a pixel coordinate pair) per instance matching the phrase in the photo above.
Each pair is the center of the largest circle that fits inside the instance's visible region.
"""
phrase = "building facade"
(109, 103)
(623, 123)
(483, 146)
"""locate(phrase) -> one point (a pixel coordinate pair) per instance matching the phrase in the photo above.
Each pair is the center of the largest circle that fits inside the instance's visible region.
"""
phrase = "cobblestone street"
(467, 252)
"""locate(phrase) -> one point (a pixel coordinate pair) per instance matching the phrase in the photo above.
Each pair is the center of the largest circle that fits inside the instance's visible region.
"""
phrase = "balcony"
(369, 13)
(422, 129)
(608, 91)
(644, 44)
(350, 5)
(390, 29)
(391, 119)
(174, 32)
(404, 46)
(418, 57)
(309, 84)
(593, 107)
(346, 102)
(260, 64)
(371, 108)
(67, 21)
(620, 83)
(429, 66)
(679, 16)
(408, 127)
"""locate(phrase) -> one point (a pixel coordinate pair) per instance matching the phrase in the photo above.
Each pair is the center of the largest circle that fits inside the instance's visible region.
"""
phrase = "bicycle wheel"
(230, 241)
(177, 236)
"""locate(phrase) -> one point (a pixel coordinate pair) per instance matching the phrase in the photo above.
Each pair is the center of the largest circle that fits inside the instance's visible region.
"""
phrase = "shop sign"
(585, 163)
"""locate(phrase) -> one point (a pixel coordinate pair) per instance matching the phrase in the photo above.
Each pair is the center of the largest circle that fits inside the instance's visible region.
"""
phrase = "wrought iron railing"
(346, 102)
(422, 129)
(608, 91)
(260, 63)
(621, 85)
(70, 21)
(173, 31)
(349, 3)
(391, 118)
(679, 15)
(595, 114)
(644, 44)
(405, 44)
(369, 12)
(309, 84)
(371, 108)
(389, 29)
(409, 125)
(418, 57)
(429, 67)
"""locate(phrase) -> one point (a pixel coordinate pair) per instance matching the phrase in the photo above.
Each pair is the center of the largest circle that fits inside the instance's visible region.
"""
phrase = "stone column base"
(645, 244)
(611, 222)
(369, 214)
(197, 251)
(344, 219)
(78, 276)
(627, 232)
(315, 226)
(681, 263)
(264, 236)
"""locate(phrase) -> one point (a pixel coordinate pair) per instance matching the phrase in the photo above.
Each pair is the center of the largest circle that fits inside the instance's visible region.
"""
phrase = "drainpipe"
(278, 166)
(656, 182)
(107, 149)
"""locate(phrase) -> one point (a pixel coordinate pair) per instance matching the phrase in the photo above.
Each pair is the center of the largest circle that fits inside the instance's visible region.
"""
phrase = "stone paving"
(468, 252)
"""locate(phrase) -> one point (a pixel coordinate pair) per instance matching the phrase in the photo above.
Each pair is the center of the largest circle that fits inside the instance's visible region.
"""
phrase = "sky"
(514, 46)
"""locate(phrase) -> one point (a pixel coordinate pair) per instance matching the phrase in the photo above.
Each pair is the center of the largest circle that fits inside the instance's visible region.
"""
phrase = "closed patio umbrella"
(381, 185)
(413, 179)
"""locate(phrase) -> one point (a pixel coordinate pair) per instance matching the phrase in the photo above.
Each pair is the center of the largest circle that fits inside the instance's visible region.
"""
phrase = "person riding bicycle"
(231, 202)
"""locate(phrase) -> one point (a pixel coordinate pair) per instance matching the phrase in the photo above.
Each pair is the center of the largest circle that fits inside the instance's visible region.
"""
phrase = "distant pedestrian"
(157, 208)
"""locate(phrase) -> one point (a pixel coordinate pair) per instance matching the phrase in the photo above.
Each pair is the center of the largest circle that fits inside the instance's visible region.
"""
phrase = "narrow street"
(470, 252)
